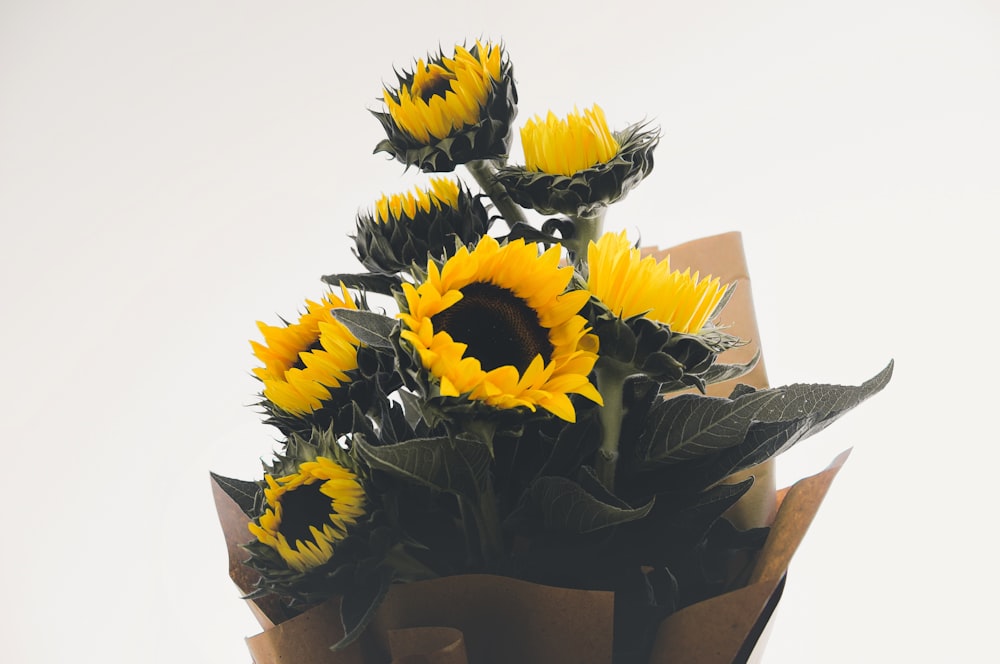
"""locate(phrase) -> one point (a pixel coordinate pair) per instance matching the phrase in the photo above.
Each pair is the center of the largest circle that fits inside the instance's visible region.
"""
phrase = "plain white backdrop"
(172, 172)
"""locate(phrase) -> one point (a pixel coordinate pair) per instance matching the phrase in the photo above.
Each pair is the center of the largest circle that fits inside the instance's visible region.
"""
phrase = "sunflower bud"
(577, 166)
(451, 111)
(407, 228)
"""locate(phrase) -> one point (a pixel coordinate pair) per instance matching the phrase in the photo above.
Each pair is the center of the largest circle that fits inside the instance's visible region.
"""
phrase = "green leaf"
(248, 495)
(457, 466)
(690, 426)
(719, 373)
(376, 283)
(369, 327)
(358, 606)
(566, 506)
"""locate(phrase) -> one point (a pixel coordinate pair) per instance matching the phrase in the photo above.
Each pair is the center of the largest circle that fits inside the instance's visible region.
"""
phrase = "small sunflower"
(305, 362)
(451, 111)
(495, 325)
(309, 512)
(576, 166)
(630, 285)
(405, 228)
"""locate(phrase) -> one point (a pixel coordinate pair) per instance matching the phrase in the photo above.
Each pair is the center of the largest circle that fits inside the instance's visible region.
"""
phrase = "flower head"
(309, 512)
(577, 165)
(305, 362)
(630, 285)
(652, 319)
(451, 111)
(566, 147)
(495, 325)
(405, 228)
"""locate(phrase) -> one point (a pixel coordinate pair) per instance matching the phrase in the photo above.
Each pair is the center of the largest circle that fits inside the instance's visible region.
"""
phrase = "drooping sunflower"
(450, 111)
(495, 325)
(307, 361)
(577, 166)
(652, 319)
(309, 512)
(405, 228)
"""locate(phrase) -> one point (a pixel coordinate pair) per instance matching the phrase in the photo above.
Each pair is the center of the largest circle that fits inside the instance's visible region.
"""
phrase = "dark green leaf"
(369, 327)
(456, 466)
(692, 425)
(689, 426)
(376, 283)
(358, 606)
(245, 494)
(719, 373)
(566, 506)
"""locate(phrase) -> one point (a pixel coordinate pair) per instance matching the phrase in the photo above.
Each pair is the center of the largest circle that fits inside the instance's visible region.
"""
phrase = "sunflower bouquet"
(505, 413)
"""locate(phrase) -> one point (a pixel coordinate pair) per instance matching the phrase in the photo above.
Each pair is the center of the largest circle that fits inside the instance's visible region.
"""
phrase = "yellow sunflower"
(445, 94)
(451, 110)
(577, 166)
(630, 285)
(566, 147)
(495, 325)
(442, 193)
(309, 511)
(304, 361)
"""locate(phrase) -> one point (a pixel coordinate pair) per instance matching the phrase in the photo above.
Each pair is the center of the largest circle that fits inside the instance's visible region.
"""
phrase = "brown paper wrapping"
(484, 619)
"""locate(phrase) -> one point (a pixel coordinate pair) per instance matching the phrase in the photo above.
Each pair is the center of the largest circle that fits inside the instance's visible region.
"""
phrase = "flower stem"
(585, 230)
(484, 171)
(490, 538)
(611, 377)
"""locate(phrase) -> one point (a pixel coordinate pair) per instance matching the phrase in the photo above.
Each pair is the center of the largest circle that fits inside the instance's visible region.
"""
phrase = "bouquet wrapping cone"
(484, 619)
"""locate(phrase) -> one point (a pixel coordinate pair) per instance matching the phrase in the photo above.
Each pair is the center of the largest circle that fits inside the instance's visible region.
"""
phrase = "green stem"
(484, 171)
(611, 377)
(490, 538)
(585, 230)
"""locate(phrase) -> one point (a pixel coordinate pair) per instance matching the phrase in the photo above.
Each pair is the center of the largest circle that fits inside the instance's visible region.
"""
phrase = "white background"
(171, 172)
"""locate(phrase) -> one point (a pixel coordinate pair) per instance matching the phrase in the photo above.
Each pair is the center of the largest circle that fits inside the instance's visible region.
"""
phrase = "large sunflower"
(305, 361)
(451, 111)
(495, 325)
(309, 512)
(630, 285)
(405, 228)
(577, 166)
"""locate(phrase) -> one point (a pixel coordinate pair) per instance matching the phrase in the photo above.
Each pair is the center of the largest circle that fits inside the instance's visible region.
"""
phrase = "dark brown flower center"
(299, 364)
(434, 81)
(302, 507)
(499, 327)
